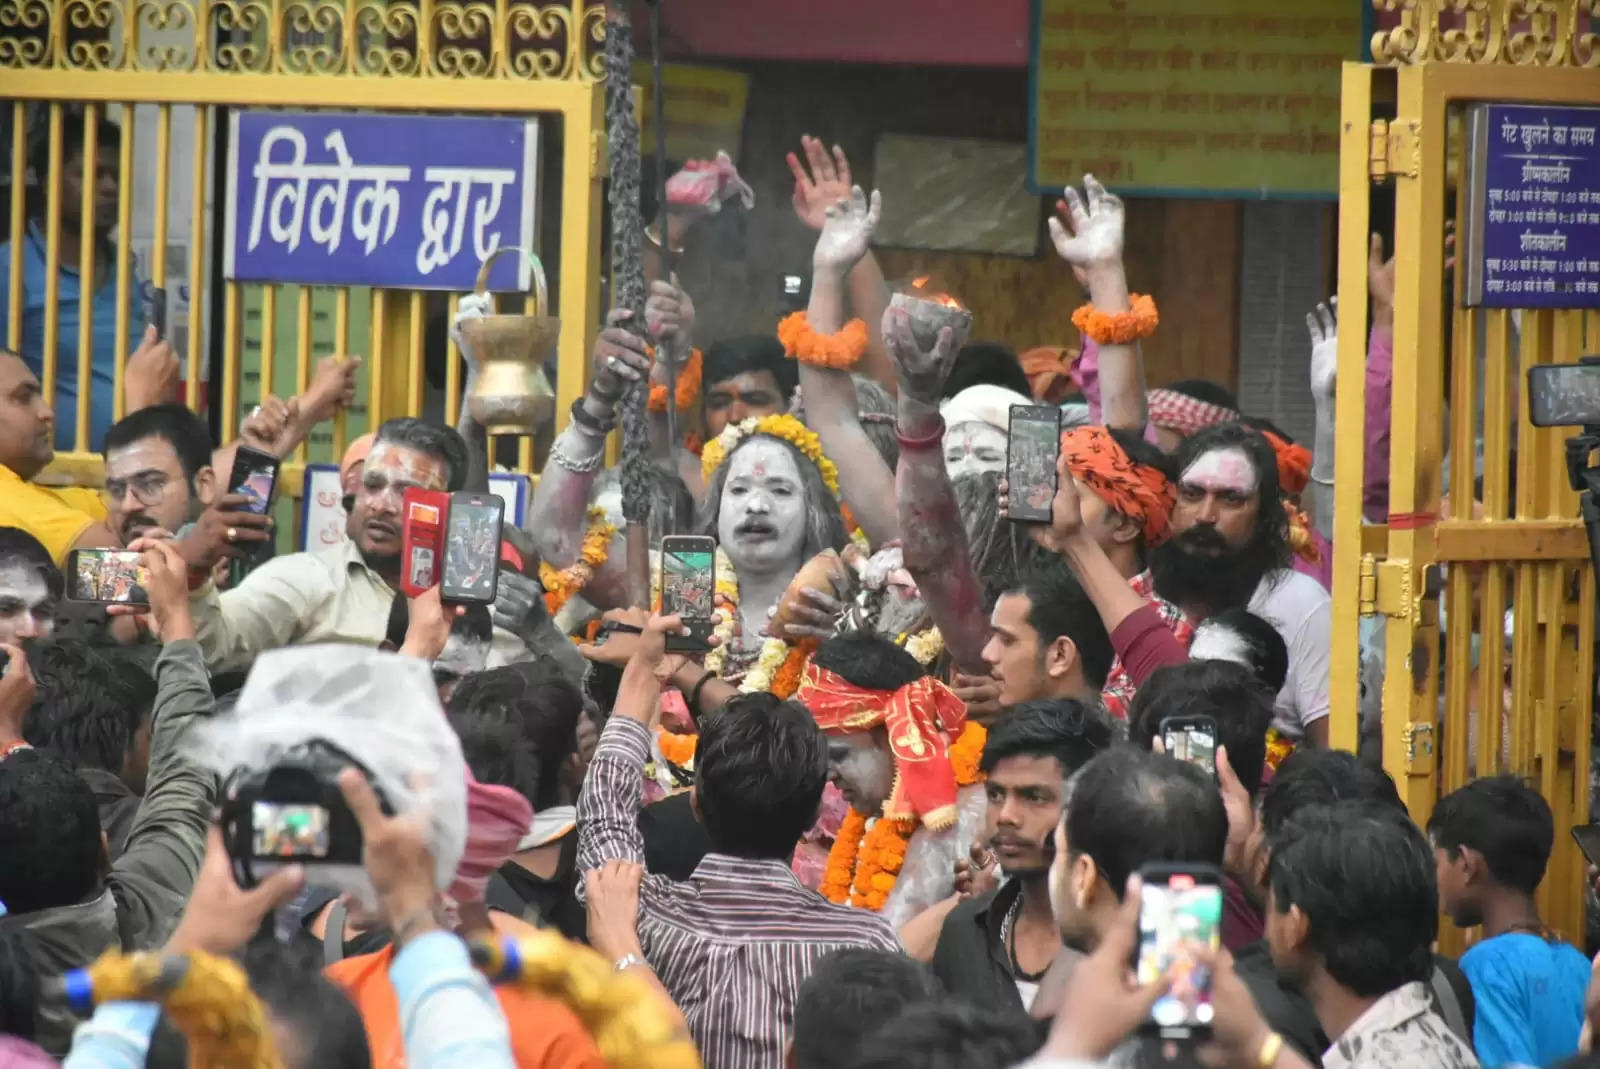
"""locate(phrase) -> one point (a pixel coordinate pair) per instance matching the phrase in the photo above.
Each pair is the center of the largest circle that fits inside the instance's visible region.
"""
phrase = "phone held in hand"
(1192, 739)
(1587, 837)
(107, 577)
(422, 538)
(472, 549)
(688, 589)
(1031, 452)
(255, 475)
(156, 312)
(1180, 932)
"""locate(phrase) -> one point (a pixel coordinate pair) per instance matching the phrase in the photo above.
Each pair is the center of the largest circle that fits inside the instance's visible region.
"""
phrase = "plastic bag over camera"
(381, 708)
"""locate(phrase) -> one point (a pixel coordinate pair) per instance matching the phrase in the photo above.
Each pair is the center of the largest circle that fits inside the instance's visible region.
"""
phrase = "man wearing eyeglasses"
(158, 471)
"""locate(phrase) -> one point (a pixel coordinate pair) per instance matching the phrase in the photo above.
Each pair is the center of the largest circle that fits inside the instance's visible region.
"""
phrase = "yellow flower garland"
(559, 586)
(782, 426)
(925, 646)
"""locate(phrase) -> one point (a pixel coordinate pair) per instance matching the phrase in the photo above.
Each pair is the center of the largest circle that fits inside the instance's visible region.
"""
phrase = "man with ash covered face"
(344, 593)
(1230, 548)
(30, 587)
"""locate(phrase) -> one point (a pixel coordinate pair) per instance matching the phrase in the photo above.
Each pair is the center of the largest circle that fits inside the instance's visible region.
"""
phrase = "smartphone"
(422, 538)
(1180, 929)
(1587, 836)
(793, 293)
(1192, 739)
(1565, 395)
(107, 577)
(688, 589)
(472, 548)
(156, 312)
(255, 475)
(1031, 453)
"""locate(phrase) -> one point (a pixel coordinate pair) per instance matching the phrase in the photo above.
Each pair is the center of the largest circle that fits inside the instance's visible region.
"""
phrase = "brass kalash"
(512, 395)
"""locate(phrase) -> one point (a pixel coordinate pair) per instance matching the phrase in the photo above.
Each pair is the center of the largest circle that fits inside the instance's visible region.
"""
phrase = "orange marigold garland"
(1119, 328)
(559, 586)
(864, 863)
(688, 386)
(679, 749)
(839, 351)
(786, 680)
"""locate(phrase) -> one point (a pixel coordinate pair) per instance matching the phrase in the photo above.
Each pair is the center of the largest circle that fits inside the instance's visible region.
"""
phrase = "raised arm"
(934, 541)
(1089, 237)
(830, 394)
(558, 516)
(278, 427)
(1323, 323)
(822, 181)
(669, 320)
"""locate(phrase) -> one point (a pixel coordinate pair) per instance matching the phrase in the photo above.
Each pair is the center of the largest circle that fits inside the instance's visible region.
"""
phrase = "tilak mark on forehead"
(1222, 469)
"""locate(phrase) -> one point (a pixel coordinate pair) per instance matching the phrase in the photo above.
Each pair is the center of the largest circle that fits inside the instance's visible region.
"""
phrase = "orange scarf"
(922, 719)
(1140, 492)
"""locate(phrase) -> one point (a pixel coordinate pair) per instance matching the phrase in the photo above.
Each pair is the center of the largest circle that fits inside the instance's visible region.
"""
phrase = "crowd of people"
(919, 803)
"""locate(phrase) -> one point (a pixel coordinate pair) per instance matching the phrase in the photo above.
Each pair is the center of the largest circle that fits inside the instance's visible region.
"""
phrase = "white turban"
(983, 403)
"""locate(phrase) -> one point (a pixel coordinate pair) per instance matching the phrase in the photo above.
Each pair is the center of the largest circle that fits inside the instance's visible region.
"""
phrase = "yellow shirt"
(56, 516)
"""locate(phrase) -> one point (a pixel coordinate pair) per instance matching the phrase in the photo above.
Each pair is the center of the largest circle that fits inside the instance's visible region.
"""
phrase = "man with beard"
(30, 588)
(1231, 549)
(158, 471)
(343, 593)
(994, 949)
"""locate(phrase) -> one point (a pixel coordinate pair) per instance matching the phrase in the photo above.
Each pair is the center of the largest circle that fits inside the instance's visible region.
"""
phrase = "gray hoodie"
(148, 885)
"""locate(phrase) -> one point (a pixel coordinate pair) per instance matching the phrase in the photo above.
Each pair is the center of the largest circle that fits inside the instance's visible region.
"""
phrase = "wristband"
(587, 421)
(694, 696)
(1271, 1047)
(932, 440)
(628, 961)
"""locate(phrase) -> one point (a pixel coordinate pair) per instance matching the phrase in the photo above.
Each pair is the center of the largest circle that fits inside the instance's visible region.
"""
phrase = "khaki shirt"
(294, 600)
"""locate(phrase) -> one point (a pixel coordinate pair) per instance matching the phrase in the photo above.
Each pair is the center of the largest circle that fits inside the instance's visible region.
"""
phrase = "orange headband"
(921, 718)
(1294, 463)
(1140, 492)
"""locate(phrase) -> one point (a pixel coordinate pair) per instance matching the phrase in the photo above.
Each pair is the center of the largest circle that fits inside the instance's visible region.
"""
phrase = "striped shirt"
(734, 942)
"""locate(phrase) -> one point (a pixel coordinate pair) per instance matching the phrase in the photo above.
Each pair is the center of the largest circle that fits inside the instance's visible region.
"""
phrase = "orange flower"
(839, 351)
(688, 386)
(1121, 328)
(841, 867)
(966, 752)
(679, 749)
(786, 680)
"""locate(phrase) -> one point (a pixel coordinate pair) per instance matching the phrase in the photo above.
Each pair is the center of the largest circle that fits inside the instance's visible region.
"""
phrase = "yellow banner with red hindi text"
(1205, 97)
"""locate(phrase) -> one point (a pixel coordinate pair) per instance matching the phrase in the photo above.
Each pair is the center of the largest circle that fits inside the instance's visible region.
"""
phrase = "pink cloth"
(811, 856)
(1322, 570)
(1087, 375)
(20, 1054)
(497, 819)
(1380, 401)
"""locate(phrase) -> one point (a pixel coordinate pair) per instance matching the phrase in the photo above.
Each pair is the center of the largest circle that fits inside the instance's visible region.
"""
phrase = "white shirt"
(1301, 612)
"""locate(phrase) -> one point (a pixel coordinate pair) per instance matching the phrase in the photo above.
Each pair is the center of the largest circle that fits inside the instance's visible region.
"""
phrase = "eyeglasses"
(146, 488)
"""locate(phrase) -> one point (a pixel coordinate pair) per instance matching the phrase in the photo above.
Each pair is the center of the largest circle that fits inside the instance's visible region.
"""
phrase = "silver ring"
(613, 363)
(254, 412)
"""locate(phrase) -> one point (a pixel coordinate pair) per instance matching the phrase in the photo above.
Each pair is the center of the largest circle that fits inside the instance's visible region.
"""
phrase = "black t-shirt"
(674, 841)
(552, 902)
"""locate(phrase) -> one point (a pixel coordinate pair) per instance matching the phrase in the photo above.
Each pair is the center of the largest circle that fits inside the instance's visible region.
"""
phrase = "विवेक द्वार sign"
(1207, 97)
(397, 201)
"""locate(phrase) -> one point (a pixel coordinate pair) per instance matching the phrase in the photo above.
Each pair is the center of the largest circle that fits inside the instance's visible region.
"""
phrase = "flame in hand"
(919, 289)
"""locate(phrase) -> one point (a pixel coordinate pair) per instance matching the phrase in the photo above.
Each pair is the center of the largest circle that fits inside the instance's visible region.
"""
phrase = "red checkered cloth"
(1120, 687)
(1184, 414)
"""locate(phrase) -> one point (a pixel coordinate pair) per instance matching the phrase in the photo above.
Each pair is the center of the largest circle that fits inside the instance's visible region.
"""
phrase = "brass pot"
(512, 394)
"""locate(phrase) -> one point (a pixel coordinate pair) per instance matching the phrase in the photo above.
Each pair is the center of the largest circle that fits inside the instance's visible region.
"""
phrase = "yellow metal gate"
(1447, 546)
(178, 64)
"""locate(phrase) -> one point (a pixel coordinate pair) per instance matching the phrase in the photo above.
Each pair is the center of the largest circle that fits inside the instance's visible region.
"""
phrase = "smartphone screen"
(472, 548)
(107, 577)
(1031, 452)
(289, 830)
(1564, 395)
(688, 587)
(255, 475)
(1180, 926)
(1587, 836)
(1192, 739)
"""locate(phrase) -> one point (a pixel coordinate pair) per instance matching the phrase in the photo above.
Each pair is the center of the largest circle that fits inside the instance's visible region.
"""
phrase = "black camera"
(292, 812)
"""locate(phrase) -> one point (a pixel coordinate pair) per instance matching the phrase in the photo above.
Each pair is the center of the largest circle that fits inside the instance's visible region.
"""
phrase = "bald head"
(27, 425)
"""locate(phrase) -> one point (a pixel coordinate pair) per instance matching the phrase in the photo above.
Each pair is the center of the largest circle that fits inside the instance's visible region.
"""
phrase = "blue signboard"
(1532, 230)
(399, 201)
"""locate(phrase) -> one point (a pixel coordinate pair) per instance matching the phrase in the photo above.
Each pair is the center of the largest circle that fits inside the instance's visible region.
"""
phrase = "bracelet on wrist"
(588, 422)
(652, 234)
(932, 440)
(1271, 1047)
(840, 350)
(1119, 328)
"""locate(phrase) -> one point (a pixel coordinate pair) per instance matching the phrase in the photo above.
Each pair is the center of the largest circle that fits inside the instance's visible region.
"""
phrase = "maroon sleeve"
(1145, 643)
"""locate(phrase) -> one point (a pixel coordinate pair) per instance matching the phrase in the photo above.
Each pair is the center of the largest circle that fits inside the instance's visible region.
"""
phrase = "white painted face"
(1220, 471)
(26, 608)
(974, 447)
(761, 519)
